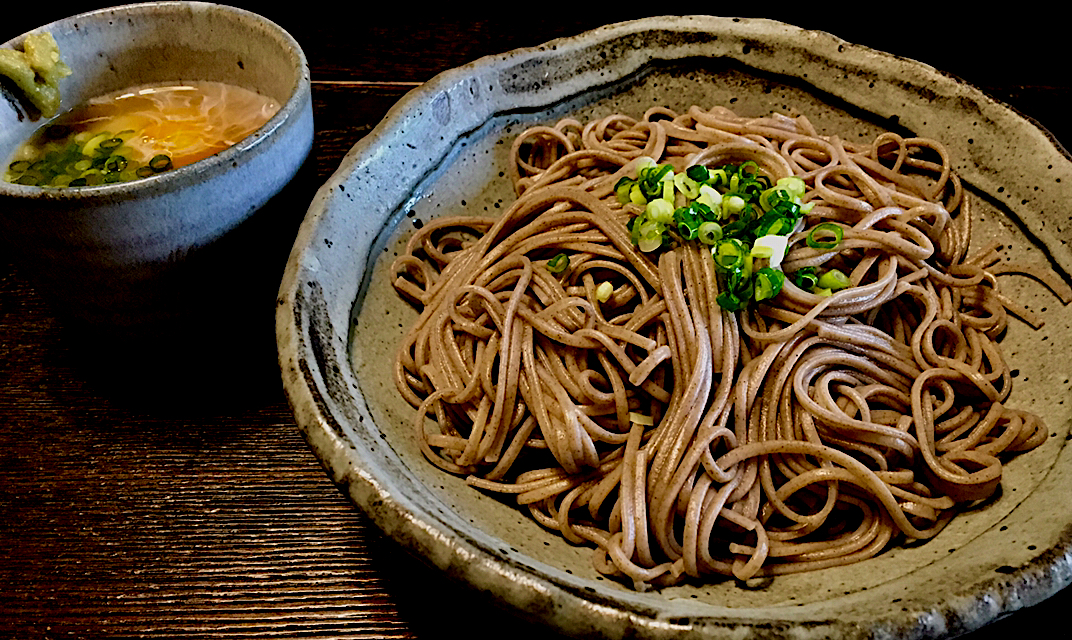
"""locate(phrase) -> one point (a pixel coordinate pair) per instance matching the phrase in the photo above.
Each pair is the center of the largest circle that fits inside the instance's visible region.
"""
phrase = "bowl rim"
(193, 173)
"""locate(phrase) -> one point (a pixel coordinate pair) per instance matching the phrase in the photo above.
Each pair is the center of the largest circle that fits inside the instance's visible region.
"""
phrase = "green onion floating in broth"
(138, 132)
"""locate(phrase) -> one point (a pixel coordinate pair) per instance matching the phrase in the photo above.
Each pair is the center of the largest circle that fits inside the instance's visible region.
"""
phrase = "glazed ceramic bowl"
(131, 253)
(444, 150)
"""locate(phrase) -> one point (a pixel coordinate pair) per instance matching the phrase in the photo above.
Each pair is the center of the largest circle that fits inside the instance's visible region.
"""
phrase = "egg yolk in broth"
(139, 132)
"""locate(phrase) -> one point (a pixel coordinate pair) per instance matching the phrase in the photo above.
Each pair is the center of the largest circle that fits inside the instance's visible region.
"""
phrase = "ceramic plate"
(442, 149)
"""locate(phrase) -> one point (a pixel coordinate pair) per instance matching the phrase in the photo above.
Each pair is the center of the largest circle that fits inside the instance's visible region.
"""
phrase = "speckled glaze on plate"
(440, 151)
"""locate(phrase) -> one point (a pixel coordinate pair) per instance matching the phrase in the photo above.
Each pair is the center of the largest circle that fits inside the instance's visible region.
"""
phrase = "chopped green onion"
(668, 191)
(732, 205)
(705, 212)
(834, 280)
(737, 211)
(805, 278)
(650, 181)
(709, 197)
(604, 291)
(660, 210)
(771, 197)
(557, 264)
(91, 146)
(793, 185)
(660, 173)
(768, 283)
(729, 254)
(718, 177)
(649, 234)
(623, 188)
(774, 223)
(698, 172)
(160, 162)
(645, 162)
(826, 229)
(687, 186)
(730, 302)
(749, 167)
(68, 158)
(739, 281)
(111, 144)
(115, 164)
(688, 222)
(634, 227)
(636, 196)
(709, 232)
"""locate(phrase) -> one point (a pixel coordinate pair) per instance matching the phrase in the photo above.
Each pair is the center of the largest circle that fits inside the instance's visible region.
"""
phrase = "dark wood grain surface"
(162, 489)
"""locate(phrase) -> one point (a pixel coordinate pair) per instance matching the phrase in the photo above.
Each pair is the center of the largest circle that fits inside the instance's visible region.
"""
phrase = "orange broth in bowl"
(137, 133)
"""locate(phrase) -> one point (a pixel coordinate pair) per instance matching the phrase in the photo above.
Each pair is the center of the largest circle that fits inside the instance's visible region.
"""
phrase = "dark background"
(997, 47)
(1017, 53)
(146, 511)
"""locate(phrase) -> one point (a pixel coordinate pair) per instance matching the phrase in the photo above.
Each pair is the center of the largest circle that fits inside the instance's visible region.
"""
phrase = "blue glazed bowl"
(130, 253)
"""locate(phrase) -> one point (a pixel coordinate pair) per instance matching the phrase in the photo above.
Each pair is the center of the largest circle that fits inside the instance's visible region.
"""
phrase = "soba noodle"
(682, 439)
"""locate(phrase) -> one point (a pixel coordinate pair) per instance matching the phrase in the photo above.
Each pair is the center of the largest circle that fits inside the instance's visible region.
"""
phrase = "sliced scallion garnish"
(768, 283)
(709, 232)
(698, 172)
(604, 291)
(110, 144)
(833, 280)
(78, 159)
(736, 209)
(827, 235)
(558, 264)
(805, 278)
(160, 162)
(115, 164)
(729, 254)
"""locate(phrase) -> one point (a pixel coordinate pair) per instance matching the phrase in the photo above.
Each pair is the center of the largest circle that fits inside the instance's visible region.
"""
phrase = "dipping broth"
(137, 133)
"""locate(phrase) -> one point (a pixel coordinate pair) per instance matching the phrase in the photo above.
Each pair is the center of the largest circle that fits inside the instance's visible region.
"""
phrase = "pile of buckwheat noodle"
(801, 433)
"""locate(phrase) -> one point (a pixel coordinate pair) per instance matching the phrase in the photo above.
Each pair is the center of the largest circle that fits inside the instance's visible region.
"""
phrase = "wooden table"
(169, 494)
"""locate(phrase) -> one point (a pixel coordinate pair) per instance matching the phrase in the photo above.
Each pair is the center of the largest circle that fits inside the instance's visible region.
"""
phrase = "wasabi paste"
(37, 71)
